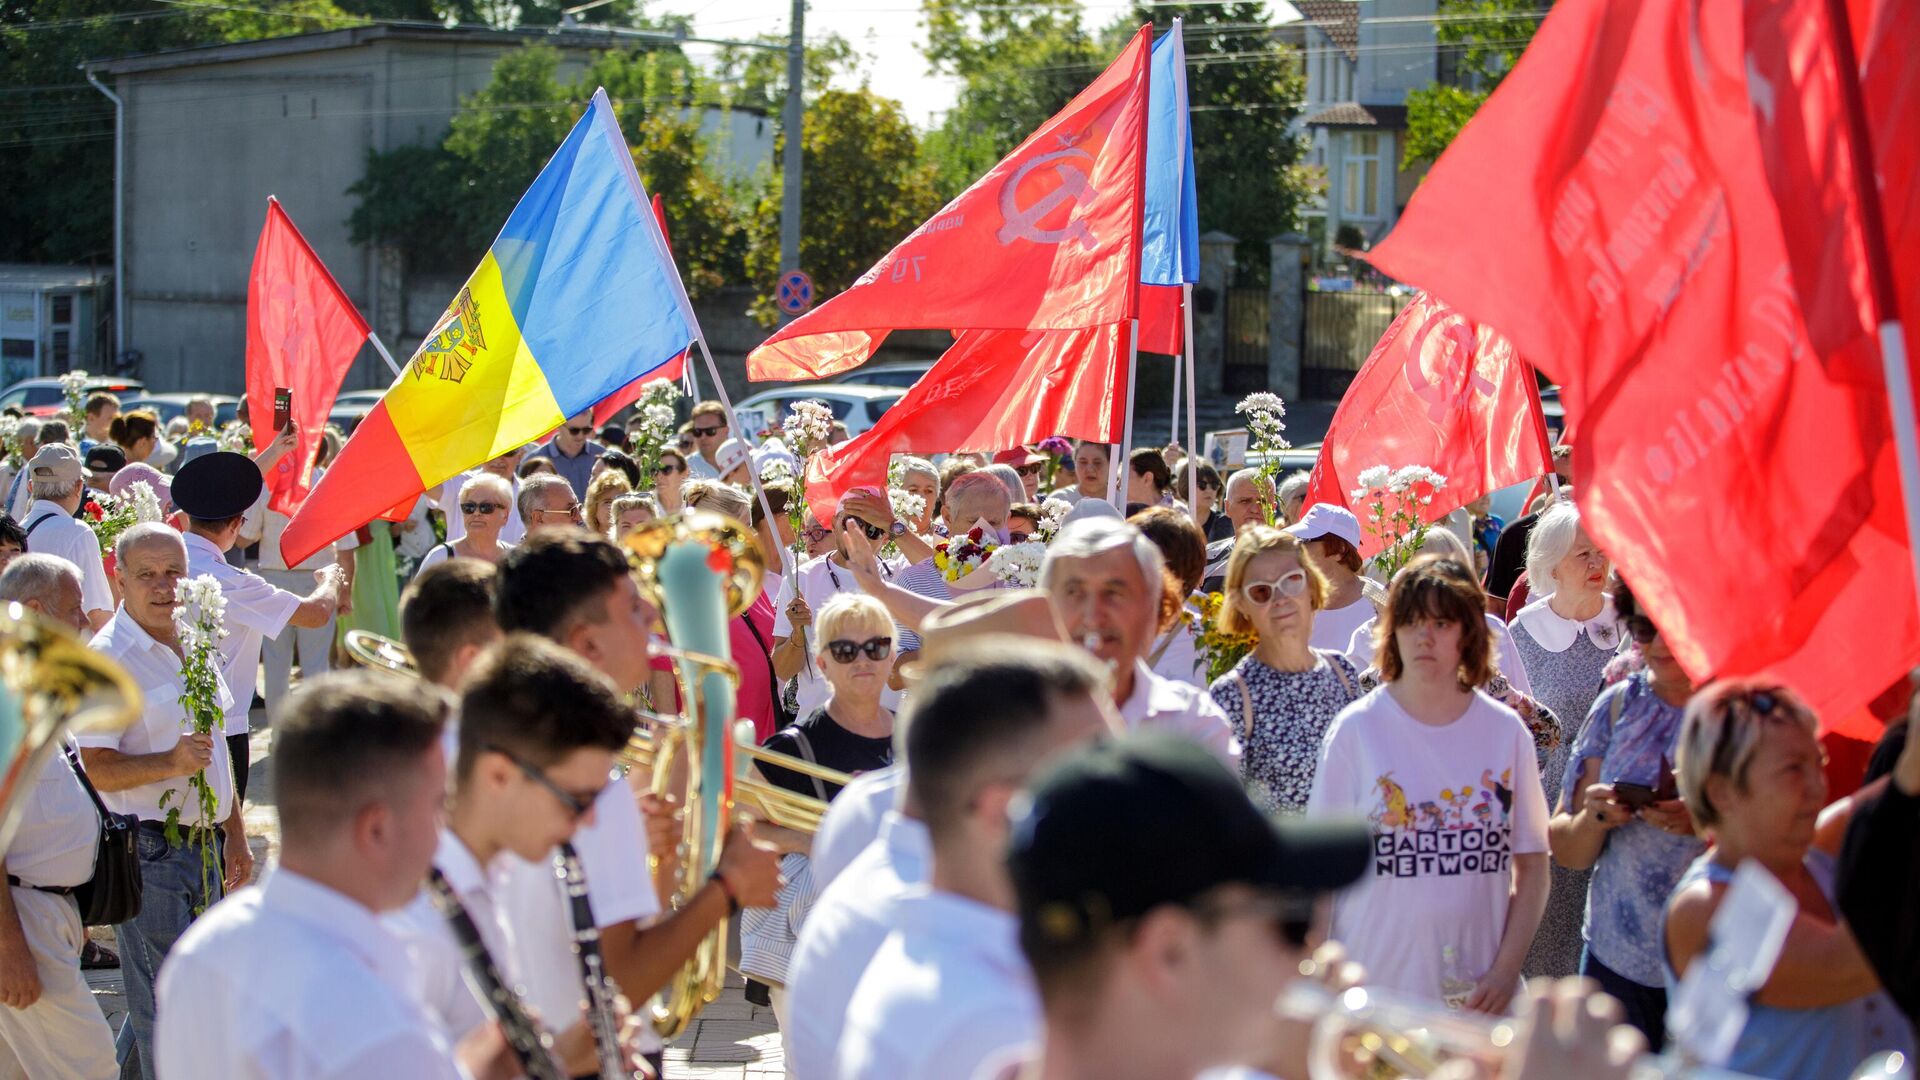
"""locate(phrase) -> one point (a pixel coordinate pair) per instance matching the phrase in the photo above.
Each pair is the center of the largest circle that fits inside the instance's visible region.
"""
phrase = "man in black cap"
(215, 491)
(103, 460)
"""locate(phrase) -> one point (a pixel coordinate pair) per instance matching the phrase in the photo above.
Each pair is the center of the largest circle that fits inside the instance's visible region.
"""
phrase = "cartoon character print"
(1391, 812)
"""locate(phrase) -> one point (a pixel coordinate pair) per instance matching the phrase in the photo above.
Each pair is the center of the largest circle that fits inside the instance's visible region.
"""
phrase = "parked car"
(900, 373)
(43, 396)
(168, 406)
(351, 407)
(854, 405)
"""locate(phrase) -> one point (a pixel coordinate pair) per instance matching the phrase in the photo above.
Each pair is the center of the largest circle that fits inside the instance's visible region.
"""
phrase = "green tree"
(863, 188)
(1484, 39)
(501, 137)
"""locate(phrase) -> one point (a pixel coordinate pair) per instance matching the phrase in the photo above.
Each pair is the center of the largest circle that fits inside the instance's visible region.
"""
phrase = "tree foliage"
(1485, 39)
(863, 188)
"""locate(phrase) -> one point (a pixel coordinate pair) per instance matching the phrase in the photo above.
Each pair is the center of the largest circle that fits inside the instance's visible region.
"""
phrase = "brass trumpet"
(50, 683)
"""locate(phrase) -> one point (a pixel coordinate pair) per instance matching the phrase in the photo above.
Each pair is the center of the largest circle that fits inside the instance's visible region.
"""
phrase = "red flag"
(1609, 211)
(1048, 239)
(302, 333)
(1162, 329)
(991, 390)
(1439, 391)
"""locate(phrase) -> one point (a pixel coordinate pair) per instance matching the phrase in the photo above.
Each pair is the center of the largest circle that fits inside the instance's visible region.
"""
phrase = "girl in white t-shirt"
(1447, 777)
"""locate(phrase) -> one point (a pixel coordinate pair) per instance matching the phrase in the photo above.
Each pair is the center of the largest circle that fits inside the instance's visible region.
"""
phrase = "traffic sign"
(795, 294)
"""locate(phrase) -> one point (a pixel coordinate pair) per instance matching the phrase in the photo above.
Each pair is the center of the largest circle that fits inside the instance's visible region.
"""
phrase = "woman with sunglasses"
(1206, 510)
(668, 476)
(1283, 695)
(851, 733)
(1565, 636)
(484, 500)
(1448, 780)
(1751, 772)
(1621, 815)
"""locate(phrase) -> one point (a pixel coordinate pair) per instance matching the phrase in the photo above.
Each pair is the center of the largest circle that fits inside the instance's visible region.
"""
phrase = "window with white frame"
(1365, 178)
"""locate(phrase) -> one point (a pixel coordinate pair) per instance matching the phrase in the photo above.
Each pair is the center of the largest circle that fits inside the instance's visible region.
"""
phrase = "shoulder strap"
(42, 520)
(1166, 642)
(1613, 710)
(1339, 671)
(805, 746)
(73, 762)
(1246, 705)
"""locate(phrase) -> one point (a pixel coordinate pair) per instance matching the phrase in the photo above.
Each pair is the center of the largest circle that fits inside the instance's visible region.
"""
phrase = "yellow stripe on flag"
(472, 391)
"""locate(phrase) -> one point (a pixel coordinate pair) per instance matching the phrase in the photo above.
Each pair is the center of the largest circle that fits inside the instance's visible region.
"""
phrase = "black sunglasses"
(481, 507)
(878, 648)
(874, 532)
(1028, 470)
(1641, 629)
(576, 806)
(571, 430)
(665, 469)
(1291, 916)
(705, 431)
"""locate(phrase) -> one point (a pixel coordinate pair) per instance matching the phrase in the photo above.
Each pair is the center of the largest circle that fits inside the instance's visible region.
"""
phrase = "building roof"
(44, 276)
(1356, 115)
(356, 36)
(1338, 19)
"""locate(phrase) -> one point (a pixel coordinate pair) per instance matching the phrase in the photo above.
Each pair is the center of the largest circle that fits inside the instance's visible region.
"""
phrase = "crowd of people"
(1053, 846)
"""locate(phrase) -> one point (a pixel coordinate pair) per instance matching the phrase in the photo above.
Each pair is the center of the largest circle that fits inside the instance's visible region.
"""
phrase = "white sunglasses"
(1263, 592)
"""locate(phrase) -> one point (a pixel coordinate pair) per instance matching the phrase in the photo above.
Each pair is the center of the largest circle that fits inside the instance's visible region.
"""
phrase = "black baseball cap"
(217, 486)
(1133, 823)
(106, 458)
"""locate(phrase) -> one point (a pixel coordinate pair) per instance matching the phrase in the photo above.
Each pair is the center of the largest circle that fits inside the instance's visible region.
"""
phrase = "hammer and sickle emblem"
(1443, 336)
(1024, 223)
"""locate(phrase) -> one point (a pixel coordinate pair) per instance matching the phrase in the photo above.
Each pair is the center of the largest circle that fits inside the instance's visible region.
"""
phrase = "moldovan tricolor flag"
(991, 390)
(302, 333)
(1048, 239)
(577, 297)
(1170, 239)
(1439, 391)
(1616, 210)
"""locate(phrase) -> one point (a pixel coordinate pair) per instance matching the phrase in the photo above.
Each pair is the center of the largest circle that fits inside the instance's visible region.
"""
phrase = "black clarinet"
(603, 1000)
(529, 1042)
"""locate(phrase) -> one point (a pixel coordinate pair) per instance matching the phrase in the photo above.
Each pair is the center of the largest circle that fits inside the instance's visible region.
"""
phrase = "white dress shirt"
(1158, 704)
(853, 820)
(59, 829)
(853, 915)
(820, 581)
(155, 668)
(65, 536)
(437, 975)
(947, 993)
(294, 981)
(256, 611)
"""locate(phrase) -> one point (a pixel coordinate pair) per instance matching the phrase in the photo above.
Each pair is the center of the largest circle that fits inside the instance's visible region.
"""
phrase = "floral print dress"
(1280, 718)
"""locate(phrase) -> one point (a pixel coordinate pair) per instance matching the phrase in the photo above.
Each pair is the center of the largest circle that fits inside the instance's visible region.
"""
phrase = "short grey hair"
(492, 482)
(1443, 542)
(1093, 536)
(53, 490)
(975, 485)
(530, 492)
(911, 465)
(1009, 478)
(1254, 477)
(1294, 485)
(35, 576)
(145, 533)
(1554, 532)
(28, 429)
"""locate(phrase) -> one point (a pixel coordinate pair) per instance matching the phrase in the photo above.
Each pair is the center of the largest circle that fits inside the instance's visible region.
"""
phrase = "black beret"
(217, 486)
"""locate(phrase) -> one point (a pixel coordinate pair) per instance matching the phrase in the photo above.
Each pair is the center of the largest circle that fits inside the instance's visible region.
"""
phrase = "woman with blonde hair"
(1284, 694)
(601, 491)
(484, 499)
(630, 511)
(1751, 771)
(1447, 778)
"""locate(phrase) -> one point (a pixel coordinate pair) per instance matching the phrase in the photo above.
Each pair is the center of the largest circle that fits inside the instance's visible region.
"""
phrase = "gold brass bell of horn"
(381, 653)
(50, 684)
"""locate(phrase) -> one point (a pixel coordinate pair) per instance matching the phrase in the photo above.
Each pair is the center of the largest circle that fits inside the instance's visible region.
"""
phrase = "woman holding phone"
(1621, 815)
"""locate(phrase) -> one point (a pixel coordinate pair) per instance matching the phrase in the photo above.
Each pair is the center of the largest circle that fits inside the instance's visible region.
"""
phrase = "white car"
(900, 373)
(854, 405)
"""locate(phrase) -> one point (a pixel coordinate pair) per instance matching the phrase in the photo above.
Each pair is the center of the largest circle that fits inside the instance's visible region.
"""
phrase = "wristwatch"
(898, 529)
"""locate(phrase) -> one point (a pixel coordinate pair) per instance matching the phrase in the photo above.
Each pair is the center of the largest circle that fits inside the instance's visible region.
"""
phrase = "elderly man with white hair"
(973, 499)
(57, 483)
(143, 770)
(49, 1020)
(1245, 502)
(547, 501)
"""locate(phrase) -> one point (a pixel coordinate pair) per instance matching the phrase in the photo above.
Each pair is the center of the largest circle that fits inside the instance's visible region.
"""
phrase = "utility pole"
(790, 173)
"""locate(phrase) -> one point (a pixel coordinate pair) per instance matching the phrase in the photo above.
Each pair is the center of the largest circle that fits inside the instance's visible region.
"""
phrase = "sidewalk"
(730, 1040)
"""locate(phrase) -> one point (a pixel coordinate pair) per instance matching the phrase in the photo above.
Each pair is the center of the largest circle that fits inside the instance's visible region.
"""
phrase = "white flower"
(1373, 479)
(73, 382)
(1053, 513)
(1405, 477)
(775, 470)
(146, 504)
(659, 392)
(1262, 403)
(657, 418)
(808, 426)
(1017, 564)
(906, 505)
(236, 438)
(201, 612)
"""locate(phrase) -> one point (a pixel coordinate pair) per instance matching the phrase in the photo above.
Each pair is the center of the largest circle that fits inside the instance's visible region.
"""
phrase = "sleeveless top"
(1807, 1044)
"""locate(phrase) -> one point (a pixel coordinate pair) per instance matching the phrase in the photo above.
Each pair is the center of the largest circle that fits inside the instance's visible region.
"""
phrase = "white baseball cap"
(1326, 519)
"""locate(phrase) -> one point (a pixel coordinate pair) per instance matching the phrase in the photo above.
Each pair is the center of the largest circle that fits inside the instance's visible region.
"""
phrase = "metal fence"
(1341, 329)
(1247, 328)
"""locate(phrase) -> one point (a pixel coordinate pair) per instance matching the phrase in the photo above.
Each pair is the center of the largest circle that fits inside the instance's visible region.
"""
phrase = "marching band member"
(297, 978)
(446, 619)
(137, 768)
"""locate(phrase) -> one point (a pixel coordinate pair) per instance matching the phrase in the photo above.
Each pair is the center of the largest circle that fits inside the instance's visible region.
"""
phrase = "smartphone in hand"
(282, 408)
(1635, 796)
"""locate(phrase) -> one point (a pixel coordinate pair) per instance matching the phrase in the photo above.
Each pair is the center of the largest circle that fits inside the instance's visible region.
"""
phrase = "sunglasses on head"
(1641, 629)
(571, 430)
(480, 507)
(703, 432)
(877, 648)
(1263, 592)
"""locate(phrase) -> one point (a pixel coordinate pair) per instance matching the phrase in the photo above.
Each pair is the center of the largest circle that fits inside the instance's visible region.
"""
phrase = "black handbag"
(112, 895)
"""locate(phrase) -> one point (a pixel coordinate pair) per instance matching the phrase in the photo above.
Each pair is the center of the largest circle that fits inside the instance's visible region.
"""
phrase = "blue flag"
(1170, 239)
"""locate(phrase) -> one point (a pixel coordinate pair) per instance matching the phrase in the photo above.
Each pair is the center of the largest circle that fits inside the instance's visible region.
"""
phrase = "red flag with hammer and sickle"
(303, 334)
(1442, 391)
(1048, 239)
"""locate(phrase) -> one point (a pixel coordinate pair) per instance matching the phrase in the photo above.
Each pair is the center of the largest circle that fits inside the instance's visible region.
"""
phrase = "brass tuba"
(380, 653)
(50, 683)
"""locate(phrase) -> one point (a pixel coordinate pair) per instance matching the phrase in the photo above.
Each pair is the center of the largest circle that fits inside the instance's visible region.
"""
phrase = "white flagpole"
(380, 347)
(1115, 477)
(1193, 433)
(1173, 430)
(753, 474)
